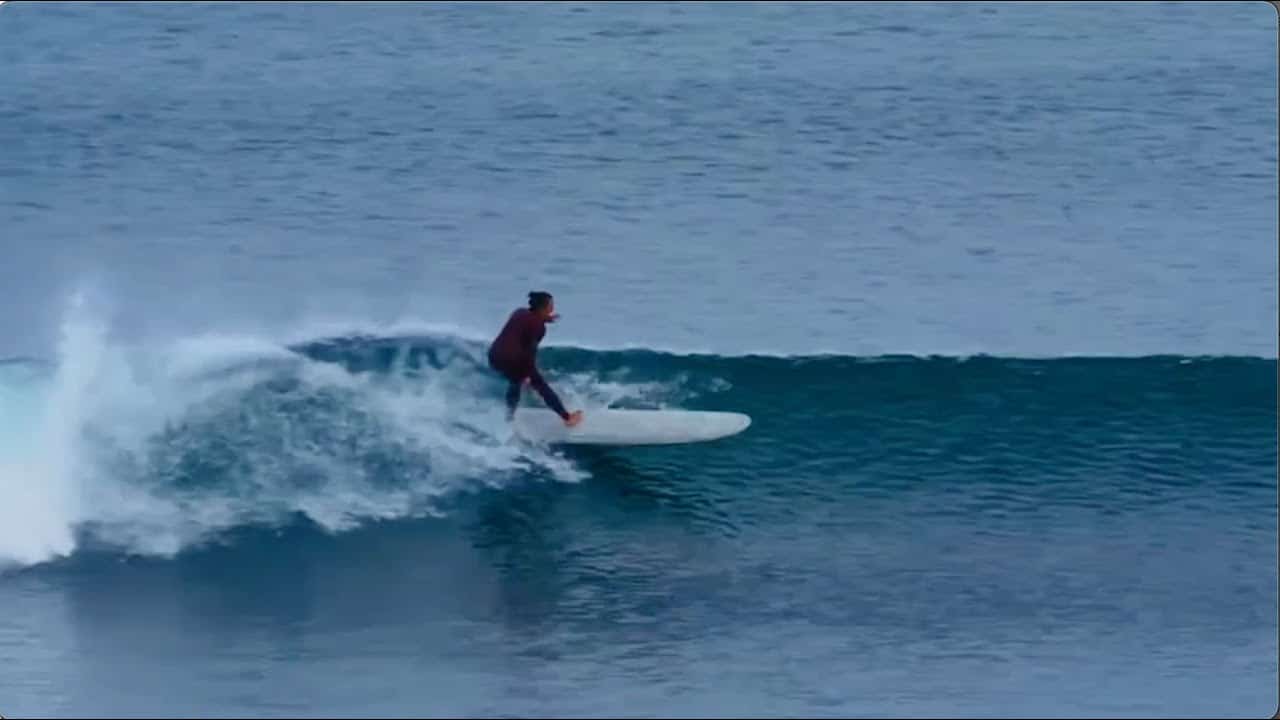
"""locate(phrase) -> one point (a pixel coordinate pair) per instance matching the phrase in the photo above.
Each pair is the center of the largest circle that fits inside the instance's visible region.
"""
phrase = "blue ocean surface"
(996, 282)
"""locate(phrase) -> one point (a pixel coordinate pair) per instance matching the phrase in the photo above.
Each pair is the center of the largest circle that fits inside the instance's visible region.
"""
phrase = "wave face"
(153, 450)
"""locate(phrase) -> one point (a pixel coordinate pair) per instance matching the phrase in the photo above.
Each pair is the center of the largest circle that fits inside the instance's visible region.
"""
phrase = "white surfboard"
(629, 427)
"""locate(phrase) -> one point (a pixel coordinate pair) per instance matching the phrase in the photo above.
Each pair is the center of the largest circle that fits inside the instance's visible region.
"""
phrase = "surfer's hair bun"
(538, 299)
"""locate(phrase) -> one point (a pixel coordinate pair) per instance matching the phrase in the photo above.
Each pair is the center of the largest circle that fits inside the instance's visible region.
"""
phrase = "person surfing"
(514, 354)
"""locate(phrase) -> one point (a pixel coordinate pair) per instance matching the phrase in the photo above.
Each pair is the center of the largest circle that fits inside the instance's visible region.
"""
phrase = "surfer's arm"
(549, 395)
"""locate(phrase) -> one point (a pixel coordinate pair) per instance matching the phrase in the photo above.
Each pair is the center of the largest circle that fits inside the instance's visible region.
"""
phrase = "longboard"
(629, 427)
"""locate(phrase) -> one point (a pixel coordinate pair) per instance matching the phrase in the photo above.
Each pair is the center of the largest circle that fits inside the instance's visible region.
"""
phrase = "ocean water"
(997, 283)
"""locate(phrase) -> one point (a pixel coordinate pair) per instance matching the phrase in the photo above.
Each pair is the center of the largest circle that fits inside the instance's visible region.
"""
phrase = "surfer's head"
(542, 304)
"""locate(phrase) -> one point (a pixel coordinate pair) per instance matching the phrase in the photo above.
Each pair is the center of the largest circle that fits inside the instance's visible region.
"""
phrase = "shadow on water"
(548, 540)
(665, 484)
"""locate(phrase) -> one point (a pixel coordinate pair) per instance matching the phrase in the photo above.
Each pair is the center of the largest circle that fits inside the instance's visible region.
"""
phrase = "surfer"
(514, 354)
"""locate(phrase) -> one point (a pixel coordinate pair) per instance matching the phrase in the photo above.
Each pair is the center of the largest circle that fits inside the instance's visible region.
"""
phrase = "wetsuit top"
(515, 350)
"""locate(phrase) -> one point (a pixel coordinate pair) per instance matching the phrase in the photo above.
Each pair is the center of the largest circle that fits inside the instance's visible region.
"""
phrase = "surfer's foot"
(573, 419)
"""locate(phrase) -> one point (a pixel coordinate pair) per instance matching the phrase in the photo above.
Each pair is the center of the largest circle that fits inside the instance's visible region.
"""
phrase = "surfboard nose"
(744, 422)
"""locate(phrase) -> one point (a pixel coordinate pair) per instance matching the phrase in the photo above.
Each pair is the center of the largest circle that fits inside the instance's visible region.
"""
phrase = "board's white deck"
(630, 427)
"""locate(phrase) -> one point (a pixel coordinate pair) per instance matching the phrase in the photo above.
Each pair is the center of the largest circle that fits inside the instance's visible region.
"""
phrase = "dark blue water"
(996, 283)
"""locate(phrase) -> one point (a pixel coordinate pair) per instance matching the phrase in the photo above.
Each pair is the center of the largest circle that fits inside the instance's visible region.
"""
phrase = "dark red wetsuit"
(514, 353)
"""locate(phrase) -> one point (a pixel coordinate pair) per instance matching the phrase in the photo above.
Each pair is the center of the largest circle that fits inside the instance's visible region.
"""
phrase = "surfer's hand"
(573, 419)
